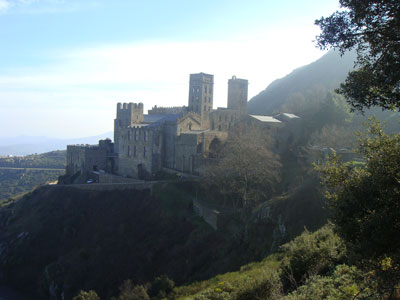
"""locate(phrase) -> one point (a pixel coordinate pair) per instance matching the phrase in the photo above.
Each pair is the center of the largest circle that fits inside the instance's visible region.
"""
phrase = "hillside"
(63, 239)
(20, 175)
(325, 73)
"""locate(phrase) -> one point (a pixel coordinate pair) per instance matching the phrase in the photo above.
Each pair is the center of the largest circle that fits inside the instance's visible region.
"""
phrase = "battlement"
(167, 110)
(126, 108)
(129, 113)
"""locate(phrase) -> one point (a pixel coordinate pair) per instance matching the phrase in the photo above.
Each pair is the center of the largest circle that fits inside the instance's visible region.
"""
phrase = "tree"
(372, 28)
(83, 295)
(365, 203)
(128, 291)
(247, 170)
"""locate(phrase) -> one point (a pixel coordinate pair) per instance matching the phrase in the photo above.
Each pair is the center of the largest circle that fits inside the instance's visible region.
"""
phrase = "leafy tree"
(365, 203)
(372, 28)
(83, 295)
(247, 170)
(128, 291)
(311, 254)
(161, 286)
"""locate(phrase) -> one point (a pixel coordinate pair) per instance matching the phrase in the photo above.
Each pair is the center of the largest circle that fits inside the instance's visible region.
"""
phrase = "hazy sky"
(64, 64)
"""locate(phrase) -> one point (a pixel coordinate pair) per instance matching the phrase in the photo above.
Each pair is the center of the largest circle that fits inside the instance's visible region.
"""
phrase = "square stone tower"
(237, 94)
(201, 89)
(127, 115)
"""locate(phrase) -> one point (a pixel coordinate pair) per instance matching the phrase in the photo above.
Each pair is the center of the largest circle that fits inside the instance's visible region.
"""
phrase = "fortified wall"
(183, 139)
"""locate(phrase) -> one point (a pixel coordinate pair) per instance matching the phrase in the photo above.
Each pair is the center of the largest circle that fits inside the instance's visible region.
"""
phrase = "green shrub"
(83, 295)
(311, 254)
(345, 283)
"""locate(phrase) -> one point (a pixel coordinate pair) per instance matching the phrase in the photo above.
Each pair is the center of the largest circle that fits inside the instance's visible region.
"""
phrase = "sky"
(65, 64)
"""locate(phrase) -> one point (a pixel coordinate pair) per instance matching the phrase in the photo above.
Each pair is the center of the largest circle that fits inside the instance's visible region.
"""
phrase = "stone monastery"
(180, 139)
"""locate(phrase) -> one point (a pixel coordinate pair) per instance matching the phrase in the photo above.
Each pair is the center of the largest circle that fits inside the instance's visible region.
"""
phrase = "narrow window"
(129, 151)
(144, 151)
(134, 151)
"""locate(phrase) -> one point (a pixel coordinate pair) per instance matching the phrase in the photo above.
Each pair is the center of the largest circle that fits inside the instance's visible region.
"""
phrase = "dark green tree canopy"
(372, 28)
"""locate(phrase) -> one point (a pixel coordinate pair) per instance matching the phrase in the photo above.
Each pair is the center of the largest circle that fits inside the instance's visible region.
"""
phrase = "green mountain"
(327, 73)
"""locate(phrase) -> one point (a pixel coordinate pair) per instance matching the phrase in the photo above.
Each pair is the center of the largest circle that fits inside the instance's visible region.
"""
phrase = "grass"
(250, 272)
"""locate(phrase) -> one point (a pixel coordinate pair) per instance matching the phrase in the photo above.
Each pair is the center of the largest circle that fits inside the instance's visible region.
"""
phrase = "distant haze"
(65, 64)
(24, 145)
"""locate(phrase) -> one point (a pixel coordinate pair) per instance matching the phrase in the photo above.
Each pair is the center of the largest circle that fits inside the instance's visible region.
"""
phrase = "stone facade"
(176, 138)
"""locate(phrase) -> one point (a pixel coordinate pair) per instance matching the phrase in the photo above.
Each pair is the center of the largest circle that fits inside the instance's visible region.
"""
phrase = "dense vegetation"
(22, 174)
(48, 160)
(17, 182)
(372, 29)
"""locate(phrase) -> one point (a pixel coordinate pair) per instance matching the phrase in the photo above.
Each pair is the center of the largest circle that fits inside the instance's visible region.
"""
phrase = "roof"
(157, 119)
(266, 119)
(287, 117)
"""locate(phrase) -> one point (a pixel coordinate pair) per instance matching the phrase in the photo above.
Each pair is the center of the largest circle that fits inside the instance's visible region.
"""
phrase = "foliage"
(83, 295)
(248, 170)
(48, 160)
(161, 286)
(266, 285)
(14, 182)
(21, 174)
(345, 283)
(129, 291)
(311, 254)
(372, 28)
(364, 202)
(333, 136)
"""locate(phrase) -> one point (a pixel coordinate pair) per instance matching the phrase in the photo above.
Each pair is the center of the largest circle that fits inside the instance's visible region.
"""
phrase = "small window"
(129, 135)
(129, 151)
(144, 151)
(137, 133)
(205, 89)
(134, 151)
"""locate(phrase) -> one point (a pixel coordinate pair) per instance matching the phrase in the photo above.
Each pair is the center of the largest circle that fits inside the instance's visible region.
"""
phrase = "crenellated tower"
(127, 115)
(201, 89)
(237, 94)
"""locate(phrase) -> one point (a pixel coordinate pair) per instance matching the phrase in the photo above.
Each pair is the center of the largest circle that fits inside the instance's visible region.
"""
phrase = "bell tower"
(237, 94)
(201, 91)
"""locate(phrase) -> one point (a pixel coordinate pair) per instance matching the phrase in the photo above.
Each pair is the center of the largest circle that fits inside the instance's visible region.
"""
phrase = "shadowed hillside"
(326, 73)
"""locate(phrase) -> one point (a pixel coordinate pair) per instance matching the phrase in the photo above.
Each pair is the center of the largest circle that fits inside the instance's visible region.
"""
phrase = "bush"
(311, 254)
(83, 295)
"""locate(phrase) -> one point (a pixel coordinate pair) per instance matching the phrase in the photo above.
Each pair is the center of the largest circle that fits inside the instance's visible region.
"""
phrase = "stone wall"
(139, 151)
(86, 158)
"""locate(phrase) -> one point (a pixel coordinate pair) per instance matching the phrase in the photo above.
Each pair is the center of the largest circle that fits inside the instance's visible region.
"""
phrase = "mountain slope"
(327, 72)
